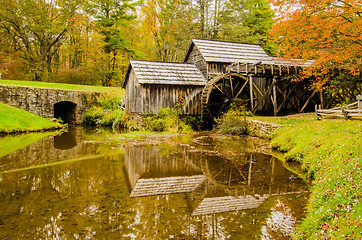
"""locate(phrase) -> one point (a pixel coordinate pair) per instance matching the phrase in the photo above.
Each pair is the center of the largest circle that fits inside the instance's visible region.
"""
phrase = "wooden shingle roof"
(166, 185)
(229, 52)
(292, 62)
(165, 73)
(228, 204)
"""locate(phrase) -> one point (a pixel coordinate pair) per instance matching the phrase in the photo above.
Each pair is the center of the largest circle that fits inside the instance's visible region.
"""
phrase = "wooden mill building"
(154, 85)
(214, 75)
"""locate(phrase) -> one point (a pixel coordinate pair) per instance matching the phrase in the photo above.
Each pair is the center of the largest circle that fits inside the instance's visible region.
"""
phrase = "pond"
(87, 184)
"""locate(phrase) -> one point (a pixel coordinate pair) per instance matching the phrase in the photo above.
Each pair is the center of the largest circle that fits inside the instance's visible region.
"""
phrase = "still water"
(86, 184)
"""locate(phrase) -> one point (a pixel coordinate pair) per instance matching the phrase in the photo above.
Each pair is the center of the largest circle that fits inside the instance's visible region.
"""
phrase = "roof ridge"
(224, 41)
(184, 63)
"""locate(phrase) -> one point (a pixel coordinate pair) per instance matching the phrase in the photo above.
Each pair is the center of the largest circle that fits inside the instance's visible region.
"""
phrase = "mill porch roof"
(228, 52)
(232, 52)
(148, 72)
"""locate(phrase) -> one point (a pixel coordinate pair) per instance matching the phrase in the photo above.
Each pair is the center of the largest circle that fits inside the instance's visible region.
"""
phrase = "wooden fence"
(353, 110)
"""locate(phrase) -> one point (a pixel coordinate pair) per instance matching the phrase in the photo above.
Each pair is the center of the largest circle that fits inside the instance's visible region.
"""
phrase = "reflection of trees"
(90, 199)
(280, 224)
(240, 144)
(84, 199)
(229, 172)
(246, 173)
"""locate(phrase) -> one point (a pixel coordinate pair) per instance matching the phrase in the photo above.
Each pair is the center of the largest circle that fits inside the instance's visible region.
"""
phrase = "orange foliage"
(328, 31)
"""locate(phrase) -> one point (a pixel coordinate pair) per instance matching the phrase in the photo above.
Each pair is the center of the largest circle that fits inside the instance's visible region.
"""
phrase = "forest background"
(91, 41)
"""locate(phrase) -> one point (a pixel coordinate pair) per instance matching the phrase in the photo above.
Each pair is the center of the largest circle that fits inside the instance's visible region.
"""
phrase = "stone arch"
(65, 110)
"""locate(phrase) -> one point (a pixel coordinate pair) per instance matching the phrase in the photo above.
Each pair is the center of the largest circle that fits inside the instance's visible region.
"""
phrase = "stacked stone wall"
(41, 101)
(261, 129)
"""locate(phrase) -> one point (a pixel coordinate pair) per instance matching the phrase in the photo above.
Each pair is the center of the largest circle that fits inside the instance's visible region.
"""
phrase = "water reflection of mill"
(213, 182)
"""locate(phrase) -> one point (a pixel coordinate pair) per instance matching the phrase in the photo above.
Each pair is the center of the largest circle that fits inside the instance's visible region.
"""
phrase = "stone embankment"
(261, 129)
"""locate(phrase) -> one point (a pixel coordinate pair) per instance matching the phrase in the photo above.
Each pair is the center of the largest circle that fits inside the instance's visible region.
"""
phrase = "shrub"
(107, 112)
(233, 122)
(194, 122)
(168, 119)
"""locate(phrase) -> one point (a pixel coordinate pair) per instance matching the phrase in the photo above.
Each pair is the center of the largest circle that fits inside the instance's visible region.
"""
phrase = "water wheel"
(220, 92)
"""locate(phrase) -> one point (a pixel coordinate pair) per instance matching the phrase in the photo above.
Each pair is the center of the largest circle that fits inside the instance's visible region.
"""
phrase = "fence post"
(345, 114)
(316, 111)
(358, 98)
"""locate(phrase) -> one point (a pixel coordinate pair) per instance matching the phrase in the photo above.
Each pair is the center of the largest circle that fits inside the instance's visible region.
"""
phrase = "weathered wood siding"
(196, 58)
(162, 96)
(133, 98)
(209, 70)
(149, 98)
(215, 69)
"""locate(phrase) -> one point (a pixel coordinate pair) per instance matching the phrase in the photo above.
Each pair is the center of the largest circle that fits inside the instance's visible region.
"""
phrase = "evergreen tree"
(247, 21)
(111, 15)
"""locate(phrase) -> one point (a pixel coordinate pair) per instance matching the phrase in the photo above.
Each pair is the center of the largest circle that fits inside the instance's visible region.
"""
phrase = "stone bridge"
(69, 105)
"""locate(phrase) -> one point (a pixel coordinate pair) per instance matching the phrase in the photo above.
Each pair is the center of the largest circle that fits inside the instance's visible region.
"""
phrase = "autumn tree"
(81, 56)
(37, 29)
(111, 15)
(171, 23)
(330, 32)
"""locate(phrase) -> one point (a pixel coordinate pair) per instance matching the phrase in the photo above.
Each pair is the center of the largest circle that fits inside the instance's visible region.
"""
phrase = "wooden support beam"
(241, 89)
(286, 98)
(257, 89)
(308, 100)
(251, 92)
(275, 103)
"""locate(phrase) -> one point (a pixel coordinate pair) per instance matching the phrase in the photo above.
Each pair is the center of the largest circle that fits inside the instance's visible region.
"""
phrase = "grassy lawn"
(330, 152)
(288, 120)
(61, 86)
(16, 120)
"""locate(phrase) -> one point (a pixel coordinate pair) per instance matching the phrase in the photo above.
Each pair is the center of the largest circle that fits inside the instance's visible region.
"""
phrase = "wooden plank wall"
(149, 98)
(133, 99)
(196, 58)
(216, 69)
(159, 96)
(261, 92)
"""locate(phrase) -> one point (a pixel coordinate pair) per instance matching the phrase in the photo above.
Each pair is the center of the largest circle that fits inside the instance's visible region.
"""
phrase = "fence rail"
(353, 110)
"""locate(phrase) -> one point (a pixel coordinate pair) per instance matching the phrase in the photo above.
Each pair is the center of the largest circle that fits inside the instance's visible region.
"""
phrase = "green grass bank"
(330, 153)
(14, 120)
(61, 86)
